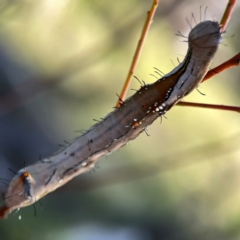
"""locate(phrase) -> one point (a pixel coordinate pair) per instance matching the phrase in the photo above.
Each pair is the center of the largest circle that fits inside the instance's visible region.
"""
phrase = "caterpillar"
(120, 126)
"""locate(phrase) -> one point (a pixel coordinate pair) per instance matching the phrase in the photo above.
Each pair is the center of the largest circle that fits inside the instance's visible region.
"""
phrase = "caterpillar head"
(206, 34)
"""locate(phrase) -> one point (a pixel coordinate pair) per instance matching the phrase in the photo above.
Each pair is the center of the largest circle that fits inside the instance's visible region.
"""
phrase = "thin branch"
(227, 14)
(234, 61)
(211, 106)
(138, 50)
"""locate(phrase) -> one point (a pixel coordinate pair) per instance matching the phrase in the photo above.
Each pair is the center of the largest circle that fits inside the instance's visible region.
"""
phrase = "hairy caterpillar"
(119, 127)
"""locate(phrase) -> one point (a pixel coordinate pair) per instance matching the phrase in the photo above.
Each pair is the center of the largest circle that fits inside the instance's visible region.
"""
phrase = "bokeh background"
(61, 64)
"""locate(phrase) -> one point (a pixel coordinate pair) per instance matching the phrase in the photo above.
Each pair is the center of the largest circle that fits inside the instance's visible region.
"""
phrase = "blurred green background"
(61, 64)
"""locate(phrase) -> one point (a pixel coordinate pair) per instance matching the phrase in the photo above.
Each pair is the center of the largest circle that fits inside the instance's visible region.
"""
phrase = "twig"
(138, 50)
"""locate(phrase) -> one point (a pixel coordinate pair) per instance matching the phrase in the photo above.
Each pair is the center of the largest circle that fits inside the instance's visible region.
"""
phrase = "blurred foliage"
(61, 64)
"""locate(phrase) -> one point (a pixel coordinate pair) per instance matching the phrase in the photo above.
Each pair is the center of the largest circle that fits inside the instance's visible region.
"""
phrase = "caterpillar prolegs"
(120, 126)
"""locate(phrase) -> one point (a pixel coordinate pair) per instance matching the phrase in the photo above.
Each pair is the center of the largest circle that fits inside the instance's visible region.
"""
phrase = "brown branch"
(211, 106)
(227, 14)
(234, 61)
(138, 51)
